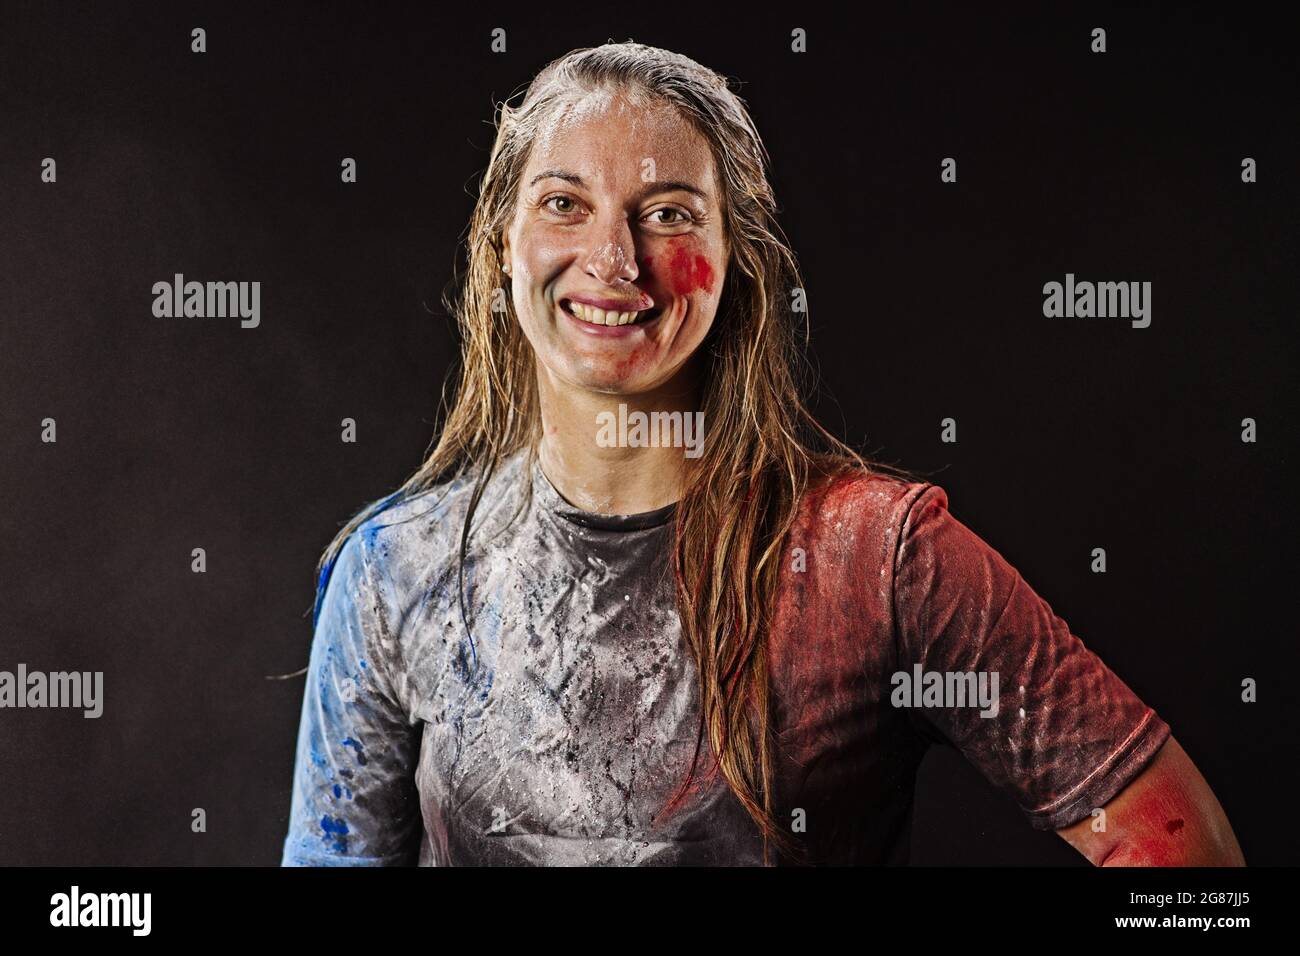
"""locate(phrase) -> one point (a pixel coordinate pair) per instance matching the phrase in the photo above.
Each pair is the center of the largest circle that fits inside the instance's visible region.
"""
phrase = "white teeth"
(595, 316)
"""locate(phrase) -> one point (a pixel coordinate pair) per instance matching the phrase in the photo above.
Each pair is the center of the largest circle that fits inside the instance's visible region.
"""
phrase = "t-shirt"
(553, 723)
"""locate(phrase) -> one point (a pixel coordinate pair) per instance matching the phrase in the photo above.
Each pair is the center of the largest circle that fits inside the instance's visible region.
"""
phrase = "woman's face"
(618, 213)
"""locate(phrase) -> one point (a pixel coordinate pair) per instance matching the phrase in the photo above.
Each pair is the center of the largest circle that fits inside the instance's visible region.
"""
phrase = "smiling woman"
(549, 647)
(612, 268)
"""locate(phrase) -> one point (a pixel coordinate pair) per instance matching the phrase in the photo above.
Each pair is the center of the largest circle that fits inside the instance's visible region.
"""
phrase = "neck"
(605, 477)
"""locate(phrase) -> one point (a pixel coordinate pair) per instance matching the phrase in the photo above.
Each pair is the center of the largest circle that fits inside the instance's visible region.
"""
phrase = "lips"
(610, 312)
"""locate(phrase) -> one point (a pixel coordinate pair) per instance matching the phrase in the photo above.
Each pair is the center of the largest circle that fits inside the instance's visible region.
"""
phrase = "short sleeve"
(1066, 734)
(354, 801)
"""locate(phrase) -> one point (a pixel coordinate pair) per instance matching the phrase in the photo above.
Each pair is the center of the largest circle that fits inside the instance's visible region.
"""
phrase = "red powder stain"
(1173, 826)
(687, 273)
(625, 365)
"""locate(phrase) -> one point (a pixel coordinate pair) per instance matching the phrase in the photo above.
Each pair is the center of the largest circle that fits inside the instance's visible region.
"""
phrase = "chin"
(607, 383)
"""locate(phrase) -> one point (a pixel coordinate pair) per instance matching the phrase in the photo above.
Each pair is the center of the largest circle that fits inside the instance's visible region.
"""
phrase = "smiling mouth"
(594, 316)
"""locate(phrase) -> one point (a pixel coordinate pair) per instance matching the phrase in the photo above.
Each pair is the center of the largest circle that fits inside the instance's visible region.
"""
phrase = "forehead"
(605, 137)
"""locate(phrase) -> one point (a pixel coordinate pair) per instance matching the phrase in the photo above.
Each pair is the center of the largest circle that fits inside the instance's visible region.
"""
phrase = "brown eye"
(564, 199)
(681, 217)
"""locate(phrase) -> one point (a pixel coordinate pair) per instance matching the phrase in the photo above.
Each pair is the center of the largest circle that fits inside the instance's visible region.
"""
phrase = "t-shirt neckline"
(551, 499)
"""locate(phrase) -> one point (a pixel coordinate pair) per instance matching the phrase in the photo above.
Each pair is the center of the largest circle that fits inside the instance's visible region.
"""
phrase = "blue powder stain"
(369, 532)
(321, 584)
(363, 663)
(361, 751)
(488, 687)
(336, 833)
(338, 791)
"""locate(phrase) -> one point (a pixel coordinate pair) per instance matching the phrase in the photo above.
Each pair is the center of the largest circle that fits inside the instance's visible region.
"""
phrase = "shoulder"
(867, 507)
(421, 533)
(411, 540)
(425, 522)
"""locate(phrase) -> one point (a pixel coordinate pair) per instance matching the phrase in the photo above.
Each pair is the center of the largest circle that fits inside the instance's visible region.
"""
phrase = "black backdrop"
(925, 299)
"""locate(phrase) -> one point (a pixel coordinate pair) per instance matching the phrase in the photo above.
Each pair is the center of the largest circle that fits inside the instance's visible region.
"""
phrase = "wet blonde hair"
(764, 448)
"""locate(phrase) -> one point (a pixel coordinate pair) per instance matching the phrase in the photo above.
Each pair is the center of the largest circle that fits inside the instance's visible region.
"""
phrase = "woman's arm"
(354, 800)
(1166, 816)
(1069, 736)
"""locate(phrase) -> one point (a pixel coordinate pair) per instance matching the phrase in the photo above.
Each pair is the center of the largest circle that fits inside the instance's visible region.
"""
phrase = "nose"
(612, 258)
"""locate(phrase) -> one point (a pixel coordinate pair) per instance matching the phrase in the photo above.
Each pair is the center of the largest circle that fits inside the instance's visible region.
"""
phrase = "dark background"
(925, 299)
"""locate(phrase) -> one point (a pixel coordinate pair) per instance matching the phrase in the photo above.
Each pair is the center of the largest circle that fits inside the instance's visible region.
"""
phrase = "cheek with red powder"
(689, 272)
(684, 269)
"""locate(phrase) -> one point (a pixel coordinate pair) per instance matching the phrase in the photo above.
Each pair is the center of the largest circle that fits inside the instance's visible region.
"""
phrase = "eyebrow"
(658, 186)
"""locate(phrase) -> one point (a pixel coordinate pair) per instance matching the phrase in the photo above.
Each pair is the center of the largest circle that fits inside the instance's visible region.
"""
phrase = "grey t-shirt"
(559, 733)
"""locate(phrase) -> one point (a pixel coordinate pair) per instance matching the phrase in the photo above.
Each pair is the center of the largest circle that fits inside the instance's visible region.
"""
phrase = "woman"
(587, 631)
